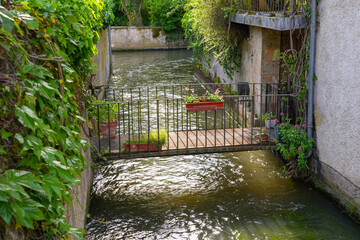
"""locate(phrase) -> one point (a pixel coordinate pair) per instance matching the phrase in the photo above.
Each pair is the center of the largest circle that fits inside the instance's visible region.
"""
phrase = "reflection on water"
(211, 196)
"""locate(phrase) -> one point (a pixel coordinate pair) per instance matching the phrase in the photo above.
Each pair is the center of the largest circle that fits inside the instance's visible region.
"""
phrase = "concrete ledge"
(279, 23)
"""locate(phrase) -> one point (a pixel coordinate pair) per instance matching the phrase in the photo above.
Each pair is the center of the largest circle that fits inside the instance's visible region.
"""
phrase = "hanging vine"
(208, 27)
(46, 51)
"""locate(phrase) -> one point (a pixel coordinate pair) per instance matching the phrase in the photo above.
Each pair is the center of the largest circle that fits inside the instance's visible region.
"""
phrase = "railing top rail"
(195, 84)
(183, 99)
(274, 6)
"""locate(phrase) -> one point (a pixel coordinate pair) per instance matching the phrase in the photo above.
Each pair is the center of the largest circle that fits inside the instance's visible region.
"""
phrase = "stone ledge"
(279, 23)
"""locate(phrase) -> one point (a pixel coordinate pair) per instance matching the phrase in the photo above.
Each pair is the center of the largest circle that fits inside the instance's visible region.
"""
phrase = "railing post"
(291, 8)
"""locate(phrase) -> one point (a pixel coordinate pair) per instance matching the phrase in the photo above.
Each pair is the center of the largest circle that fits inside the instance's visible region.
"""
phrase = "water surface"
(211, 196)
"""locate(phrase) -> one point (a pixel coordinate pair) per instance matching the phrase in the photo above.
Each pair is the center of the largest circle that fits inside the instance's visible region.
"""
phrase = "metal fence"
(158, 118)
(274, 6)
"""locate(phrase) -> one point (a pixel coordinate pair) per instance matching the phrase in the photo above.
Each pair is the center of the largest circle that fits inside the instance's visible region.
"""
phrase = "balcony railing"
(274, 6)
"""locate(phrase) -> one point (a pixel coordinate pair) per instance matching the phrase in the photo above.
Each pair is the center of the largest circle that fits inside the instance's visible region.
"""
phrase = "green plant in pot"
(269, 120)
(151, 141)
(263, 136)
(106, 113)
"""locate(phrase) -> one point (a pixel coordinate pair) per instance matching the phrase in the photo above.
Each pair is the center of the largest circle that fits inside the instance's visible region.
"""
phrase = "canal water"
(238, 195)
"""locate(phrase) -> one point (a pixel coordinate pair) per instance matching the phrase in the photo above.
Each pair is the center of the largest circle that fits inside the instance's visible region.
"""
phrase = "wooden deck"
(207, 139)
(195, 141)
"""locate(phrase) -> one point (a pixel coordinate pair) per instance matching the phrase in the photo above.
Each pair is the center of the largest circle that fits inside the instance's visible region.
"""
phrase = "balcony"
(280, 15)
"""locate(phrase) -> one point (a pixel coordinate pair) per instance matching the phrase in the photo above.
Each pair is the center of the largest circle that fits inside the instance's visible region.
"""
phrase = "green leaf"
(5, 135)
(6, 213)
(6, 19)
(35, 143)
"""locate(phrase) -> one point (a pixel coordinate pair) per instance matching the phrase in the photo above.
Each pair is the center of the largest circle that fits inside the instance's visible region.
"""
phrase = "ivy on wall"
(46, 51)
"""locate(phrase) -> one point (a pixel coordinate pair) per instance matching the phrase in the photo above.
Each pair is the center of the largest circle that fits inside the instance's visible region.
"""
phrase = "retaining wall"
(337, 99)
(142, 38)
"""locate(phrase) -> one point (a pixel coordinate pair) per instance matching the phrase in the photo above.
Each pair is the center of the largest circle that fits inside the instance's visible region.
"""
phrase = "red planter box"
(143, 147)
(204, 106)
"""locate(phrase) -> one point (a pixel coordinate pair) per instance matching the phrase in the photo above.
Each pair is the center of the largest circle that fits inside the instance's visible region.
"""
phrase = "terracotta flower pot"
(204, 106)
(142, 147)
(105, 126)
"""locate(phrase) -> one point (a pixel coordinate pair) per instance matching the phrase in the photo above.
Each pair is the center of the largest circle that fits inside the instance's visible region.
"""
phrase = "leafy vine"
(46, 59)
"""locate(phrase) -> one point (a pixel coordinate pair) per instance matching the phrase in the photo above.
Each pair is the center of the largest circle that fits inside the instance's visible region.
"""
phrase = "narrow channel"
(239, 195)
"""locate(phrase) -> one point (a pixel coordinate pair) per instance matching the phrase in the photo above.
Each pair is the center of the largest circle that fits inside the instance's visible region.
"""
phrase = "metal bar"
(109, 127)
(177, 125)
(206, 129)
(243, 111)
(224, 123)
(197, 127)
(158, 126)
(114, 95)
(187, 130)
(129, 126)
(215, 127)
(261, 113)
(168, 125)
(233, 125)
(119, 127)
(252, 115)
(148, 132)
(138, 121)
(98, 123)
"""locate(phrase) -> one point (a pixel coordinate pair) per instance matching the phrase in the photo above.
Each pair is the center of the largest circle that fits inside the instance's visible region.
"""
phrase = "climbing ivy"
(46, 51)
(207, 25)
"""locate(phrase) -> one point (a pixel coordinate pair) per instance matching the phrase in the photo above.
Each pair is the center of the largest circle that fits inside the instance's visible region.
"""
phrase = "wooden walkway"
(210, 138)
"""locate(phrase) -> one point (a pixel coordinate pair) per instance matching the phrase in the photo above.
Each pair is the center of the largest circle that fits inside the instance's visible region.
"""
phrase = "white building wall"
(337, 98)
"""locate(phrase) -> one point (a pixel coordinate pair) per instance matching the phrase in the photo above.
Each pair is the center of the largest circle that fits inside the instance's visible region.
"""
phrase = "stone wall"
(337, 99)
(103, 62)
(142, 38)
(258, 61)
(136, 38)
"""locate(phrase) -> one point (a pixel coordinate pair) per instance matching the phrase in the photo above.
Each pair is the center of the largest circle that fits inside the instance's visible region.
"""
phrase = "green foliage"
(106, 111)
(166, 13)
(208, 27)
(46, 59)
(267, 116)
(294, 146)
(107, 14)
(191, 97)
(153, 136)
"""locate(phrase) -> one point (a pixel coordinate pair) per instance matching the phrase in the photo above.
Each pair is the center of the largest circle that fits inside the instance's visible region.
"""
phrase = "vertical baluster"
(243, 112)
(215, 127)
(206, 129)
(157, 123)
(168, 135)
(118, 117)
(109, 127)
(224, 123)
(252, 115)
(197, 127)
(148, 116)
(129, 137)
(177, 125)
(261, 112)
(98, 123)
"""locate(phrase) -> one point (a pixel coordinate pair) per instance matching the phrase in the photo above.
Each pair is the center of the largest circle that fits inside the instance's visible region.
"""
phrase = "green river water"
(237, 195)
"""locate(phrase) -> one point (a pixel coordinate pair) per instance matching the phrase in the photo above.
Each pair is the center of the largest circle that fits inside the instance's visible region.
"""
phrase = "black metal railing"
(274, 6)
(151, 121)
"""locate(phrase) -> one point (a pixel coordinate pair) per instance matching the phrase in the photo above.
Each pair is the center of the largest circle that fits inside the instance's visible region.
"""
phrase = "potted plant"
(106, 113)
(210, 101)
(263, 136)
(148, 142)
(269, 120)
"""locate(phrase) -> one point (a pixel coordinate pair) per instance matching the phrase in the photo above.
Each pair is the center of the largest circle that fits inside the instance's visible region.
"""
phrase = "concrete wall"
(142, 38)
(102, 61)
(136, 38)
(258, 61)
(337, 98)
